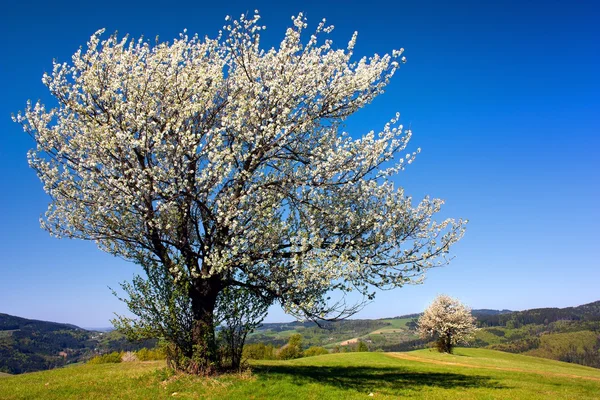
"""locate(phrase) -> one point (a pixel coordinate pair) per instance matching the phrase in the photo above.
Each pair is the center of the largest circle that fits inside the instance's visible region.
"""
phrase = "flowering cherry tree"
(447, 321)
(225, 164)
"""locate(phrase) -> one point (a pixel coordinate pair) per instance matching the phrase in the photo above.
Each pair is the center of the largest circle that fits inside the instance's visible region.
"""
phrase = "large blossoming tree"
(225, 164)
(448, 322)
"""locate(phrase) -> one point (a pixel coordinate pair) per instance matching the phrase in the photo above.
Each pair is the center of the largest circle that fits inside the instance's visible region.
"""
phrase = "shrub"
(295, 340)
(362, 346)
(259, 351)
(315, 351)
(150, 354)
(288, 352)
(293, 349)
(114, 357)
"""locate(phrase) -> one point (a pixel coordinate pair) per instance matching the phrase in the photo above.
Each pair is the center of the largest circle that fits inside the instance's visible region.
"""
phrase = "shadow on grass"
(370, 379)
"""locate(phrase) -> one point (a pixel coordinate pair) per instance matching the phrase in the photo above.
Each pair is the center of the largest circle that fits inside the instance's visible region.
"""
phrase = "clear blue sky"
(502, 96)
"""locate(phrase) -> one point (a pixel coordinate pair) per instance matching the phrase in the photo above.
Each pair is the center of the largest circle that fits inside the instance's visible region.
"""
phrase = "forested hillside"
(29, 345)
(569, 334)
(586, 312)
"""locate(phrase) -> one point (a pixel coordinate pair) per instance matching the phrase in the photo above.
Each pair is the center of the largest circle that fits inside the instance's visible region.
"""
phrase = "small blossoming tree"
(225, 164)
(447, 321)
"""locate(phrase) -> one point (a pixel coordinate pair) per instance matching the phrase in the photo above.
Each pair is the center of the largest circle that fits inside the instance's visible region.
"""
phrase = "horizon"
(504, 106)
(474, 309)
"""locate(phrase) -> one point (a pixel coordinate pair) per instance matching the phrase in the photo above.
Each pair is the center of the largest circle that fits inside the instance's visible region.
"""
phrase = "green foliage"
(497, 332)
(315, 351)
(589, 356)
(162, 308)
(110, 358)
(29, 345)
(576, 341)
(295, 340)
(289, 352)
(293, 349)
(239, 311)
(517, 346)
(259, 351)
(151, 354)
(579, 347)
(361, 346)
(558, 343)
(443, 346)
(542, 316)
(278, 334)
(12, 323)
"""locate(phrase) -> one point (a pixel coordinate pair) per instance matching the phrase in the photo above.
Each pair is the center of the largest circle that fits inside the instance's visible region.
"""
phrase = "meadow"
(468, 374)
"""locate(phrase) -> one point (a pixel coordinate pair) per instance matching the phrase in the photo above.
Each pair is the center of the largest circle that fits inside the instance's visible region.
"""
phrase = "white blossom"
(225, 162)
(448, 321)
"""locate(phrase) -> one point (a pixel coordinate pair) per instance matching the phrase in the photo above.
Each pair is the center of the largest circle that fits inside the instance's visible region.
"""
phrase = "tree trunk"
(449, 346)
(204, 357)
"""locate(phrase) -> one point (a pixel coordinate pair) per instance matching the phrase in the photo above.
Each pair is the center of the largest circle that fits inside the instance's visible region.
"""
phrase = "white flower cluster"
(225, 161)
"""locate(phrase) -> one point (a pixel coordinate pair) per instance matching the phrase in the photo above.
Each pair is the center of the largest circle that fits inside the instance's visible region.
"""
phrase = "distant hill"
(567, 334)
(586, 312)
(414, 315)
(94, 329)
(28, 345)
(485, 312)
(32, 345)
(10, 322)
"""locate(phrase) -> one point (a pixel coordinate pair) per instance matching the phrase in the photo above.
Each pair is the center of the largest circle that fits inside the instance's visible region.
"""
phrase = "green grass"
(469, 374)
(397, 322)
(499, 359)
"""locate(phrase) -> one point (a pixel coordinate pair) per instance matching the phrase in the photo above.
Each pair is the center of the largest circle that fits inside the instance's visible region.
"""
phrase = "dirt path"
(409, 357)
(349, 341)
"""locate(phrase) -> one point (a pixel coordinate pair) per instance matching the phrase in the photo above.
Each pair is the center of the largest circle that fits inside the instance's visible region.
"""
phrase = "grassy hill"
(469, 374)
(28, 345)
(569, 334)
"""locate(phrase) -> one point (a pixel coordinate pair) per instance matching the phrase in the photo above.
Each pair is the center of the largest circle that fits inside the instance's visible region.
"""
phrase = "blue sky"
(502, 97)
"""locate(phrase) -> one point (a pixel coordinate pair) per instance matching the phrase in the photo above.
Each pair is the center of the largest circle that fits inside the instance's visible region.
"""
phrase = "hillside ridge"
(30, 345)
